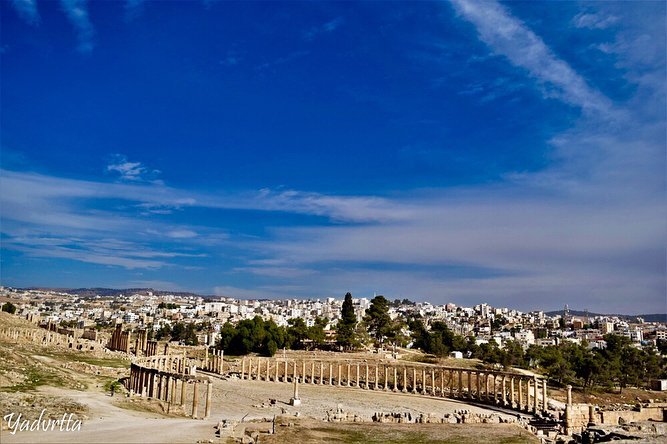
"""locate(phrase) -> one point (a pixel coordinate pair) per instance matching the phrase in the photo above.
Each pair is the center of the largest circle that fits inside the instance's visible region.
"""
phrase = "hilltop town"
(146, 308)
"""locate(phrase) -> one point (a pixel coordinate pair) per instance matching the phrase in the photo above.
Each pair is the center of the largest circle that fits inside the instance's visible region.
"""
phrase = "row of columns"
(156, 383)
(527, 393)
(120, 340)
(141, 343)
(50, 337)
(216, 363)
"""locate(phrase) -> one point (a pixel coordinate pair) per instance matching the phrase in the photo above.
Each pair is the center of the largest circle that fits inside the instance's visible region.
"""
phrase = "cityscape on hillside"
(482, 322)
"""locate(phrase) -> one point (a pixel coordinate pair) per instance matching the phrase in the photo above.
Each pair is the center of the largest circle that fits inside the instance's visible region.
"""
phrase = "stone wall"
(47, 336)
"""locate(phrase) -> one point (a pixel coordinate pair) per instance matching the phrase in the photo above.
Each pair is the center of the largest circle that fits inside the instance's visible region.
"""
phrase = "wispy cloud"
(131, 171)
(294, 55)
(27, 10)
(593, 20)
(508, 36)
(324, 28)
(232, 58)
(77, 13)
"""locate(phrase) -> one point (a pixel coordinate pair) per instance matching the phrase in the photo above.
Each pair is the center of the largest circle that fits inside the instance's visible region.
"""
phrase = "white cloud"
(278, 272)
(181, 234)
(77, 13)
(27, 10)
(324, 28)
(508, 36)
(594, 21)
(131, 171)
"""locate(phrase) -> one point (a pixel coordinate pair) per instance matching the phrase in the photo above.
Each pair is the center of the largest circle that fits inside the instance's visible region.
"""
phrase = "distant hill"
(654, 317)
(112, 292)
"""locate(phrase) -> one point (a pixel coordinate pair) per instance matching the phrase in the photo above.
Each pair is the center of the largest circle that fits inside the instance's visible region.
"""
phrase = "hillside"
(652, 317)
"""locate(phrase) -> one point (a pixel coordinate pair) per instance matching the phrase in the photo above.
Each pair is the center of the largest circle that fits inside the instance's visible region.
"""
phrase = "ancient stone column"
(195, 400)
(386, 378)
(569, 395)
(348, 374)
(209, 392)
(519, 403)
(442, 382)
(535, 395)
(504, 389)
(296, 401)
(303, 372)
(469, 395)
(490, 387)
(479, 386)
(527, 394)
(340, 380)
(395, 388)
(356, 382)
(367, 385)
(321, 373)
(432, 382)
(250, 369)
(312, 372)
(132, 379)
(222, 361)
(414, 380)
(330, 374)
(404, 389)
(173, 391)
(285, 374)
(167, 388)
(376, 377)
(153, 384)
(423, 381)
(460, 372)
(242, 368)
(511, 405)
(183, 392)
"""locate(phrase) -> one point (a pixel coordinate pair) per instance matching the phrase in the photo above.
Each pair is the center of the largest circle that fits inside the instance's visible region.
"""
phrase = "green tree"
(252, 335)
(297, 333)
(377, 319)
(163, 332)
(420, 336)
(345, 329)
(316, 332)
(9, 307)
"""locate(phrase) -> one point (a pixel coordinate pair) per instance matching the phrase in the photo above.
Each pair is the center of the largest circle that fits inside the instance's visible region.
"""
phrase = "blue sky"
(510, 153)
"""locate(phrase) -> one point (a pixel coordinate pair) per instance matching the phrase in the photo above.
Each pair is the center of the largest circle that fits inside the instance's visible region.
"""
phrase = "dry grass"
(311, 431)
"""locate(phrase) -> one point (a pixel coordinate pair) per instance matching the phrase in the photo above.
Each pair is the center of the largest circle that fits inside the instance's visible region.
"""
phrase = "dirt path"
(109, 423)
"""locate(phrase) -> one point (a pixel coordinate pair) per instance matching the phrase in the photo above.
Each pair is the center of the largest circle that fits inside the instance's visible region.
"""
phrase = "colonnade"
(505, 389)
(52, 338)
(166, 378)
(120, 340)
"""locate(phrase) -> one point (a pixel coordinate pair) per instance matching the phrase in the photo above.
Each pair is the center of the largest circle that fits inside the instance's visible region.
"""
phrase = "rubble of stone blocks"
(457, 417)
